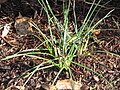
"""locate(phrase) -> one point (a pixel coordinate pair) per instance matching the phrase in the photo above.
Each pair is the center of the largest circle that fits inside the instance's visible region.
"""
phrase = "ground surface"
(104, 63)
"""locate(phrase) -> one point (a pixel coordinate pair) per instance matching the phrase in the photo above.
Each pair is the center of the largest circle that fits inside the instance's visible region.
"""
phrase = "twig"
(6, 41)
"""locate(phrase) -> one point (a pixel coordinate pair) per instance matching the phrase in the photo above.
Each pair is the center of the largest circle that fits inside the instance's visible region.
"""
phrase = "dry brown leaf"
(96, 31)
(48, 87)
(68, 84)
(6, 30)
(23, 25)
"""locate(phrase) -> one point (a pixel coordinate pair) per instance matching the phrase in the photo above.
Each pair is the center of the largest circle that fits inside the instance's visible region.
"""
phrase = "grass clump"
(60, 52)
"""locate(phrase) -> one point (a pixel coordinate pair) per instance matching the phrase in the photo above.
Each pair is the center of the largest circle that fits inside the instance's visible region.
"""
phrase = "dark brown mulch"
(104, 63)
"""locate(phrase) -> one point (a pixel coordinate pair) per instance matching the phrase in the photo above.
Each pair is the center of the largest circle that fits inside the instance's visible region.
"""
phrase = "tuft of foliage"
(60, 52)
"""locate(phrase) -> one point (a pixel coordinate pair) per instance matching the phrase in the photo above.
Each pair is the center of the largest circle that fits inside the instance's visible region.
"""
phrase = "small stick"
(6, 41)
